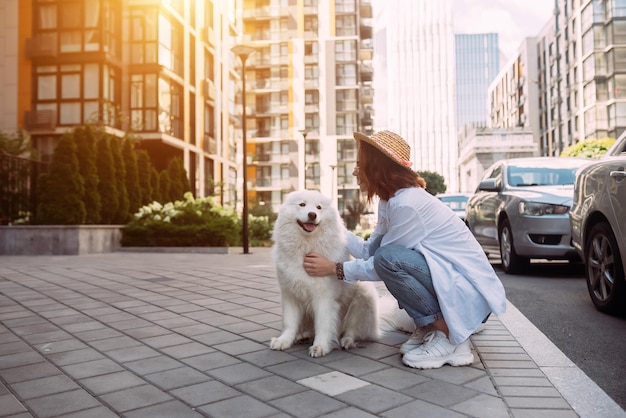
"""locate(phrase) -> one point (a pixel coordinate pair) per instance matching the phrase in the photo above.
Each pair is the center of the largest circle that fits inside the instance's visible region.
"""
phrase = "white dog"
(330, 311)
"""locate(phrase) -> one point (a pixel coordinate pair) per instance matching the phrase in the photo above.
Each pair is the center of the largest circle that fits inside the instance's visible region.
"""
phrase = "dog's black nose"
(312, 216)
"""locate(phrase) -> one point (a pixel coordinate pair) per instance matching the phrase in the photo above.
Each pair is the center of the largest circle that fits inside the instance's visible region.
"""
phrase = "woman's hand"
(317, 266)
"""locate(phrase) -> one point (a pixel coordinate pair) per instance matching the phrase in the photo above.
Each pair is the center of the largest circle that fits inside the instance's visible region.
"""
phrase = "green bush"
(590, 148)
(183, 223)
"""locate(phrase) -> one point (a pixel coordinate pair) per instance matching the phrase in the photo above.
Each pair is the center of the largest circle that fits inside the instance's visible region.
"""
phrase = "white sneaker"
(437, 351)
(416, 339)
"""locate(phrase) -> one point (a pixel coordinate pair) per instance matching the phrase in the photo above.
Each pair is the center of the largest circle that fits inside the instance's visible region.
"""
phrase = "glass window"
(90, 81)
(346, 75)
(47, 87)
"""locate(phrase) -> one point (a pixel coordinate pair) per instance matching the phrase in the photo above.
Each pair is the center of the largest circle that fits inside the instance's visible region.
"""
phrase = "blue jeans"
(407, 277)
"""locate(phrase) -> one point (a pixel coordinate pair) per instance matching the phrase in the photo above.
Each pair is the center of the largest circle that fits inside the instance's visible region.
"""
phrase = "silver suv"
(598, 221)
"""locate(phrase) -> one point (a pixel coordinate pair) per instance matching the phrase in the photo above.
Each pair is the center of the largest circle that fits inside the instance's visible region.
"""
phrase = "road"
(553, 296)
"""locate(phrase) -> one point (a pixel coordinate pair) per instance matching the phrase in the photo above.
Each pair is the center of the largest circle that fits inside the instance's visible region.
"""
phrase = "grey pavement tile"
(241, 406)
(542, 413)
(13, 347)
(197, 329)
(97, 312)
(267, 357)
(456, 375)
(83, 326)
(76, 318)
(147, 332)
(420, 409)
(19, 320)
(243, 326)
(374, 399)
(271, 387)
(28, 372)
(349, 412)
(183, 351)
(508, 391)
(114, 343)
(97, 412)
(130, 324)
(36, 329)
(123, 355)
(238, 373)
(92, 368)
(205, 393)
(9, 361)
(127, 304)
(116, 317)
(176, 378)
(508, 364)
(54, 334)
(522, 381)
(185, 307)
(307, 404)
(263, 335)
(210, 361)
(136, 397)
(142, 308)
(483, 406)
(62, 403)
(356, 365)
(44, 386)
(217, 337)
(374, 350)
(298, 369)
(517, 372)
(153, 364)
(60, 312)
(66, 358)
(482, 384)
(60, 346)
(159, 315)
(165, 410)
(165, 340)
(394, 378)
(537, 402)
(112, 382)
(9, 405)
(240, 347)
(441, 393)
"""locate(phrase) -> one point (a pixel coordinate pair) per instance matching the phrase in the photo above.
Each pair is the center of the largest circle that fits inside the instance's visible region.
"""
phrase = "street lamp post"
(243, 52)
(304, 134)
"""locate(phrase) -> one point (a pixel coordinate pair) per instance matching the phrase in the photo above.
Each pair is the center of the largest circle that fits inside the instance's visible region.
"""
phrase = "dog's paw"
(348, 342)
(318, 351)
(279, 344)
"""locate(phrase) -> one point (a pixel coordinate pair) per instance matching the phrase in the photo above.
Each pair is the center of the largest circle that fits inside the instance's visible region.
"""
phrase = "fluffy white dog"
(332, 312)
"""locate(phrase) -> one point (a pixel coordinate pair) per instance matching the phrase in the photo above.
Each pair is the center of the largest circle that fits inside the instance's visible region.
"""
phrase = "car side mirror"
(488, 185)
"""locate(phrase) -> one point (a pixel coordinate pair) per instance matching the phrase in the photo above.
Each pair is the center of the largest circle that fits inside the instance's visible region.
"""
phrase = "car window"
(540, 176)
(455, 202)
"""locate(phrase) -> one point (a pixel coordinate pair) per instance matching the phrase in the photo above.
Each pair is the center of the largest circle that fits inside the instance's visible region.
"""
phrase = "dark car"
(598, 221)
(520, 210)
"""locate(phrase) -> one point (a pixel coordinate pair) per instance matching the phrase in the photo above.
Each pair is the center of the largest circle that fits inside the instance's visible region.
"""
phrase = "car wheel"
(511, 262)
(604, 270)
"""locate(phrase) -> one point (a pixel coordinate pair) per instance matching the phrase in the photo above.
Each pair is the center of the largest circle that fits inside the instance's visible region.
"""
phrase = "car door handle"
(618, 174)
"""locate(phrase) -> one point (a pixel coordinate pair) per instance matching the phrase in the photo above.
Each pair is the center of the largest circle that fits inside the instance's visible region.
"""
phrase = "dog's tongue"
(309, 227)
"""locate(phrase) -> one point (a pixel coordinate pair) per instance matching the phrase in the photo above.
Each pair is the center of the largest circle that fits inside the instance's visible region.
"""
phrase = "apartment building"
(308, 89)
(158, 69)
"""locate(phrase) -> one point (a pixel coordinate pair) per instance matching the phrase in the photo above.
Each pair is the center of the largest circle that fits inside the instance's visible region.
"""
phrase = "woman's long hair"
(381, 176)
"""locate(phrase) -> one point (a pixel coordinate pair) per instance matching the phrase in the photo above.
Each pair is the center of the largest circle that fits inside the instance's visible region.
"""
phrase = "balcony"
(41, 47)
(40, 120)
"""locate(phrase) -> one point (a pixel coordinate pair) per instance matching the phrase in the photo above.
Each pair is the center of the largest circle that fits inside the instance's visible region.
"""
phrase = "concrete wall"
(59, 239)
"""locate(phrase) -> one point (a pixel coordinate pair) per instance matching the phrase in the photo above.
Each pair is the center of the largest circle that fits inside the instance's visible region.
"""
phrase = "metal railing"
(18, 186)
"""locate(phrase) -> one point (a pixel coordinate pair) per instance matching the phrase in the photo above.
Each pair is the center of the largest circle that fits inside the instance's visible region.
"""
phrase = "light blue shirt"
(467, 287)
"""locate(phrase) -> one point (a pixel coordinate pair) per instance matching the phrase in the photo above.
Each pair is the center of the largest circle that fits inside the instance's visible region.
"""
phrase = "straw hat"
(390, 144)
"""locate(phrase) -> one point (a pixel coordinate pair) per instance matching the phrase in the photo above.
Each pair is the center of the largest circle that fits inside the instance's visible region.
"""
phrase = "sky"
(512, 20)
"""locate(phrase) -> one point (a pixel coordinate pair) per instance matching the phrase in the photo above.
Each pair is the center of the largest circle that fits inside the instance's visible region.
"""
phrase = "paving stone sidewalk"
(186, 335)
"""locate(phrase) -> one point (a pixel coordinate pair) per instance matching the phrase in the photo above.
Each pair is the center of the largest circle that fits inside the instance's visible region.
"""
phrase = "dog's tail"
(392, 317)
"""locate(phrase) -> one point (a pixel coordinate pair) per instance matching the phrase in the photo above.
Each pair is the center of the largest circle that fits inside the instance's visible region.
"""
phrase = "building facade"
(309, 88)
(477, 65)
(415, 81)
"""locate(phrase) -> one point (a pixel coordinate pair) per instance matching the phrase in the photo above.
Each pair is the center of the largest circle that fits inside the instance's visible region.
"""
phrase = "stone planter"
(59, 239)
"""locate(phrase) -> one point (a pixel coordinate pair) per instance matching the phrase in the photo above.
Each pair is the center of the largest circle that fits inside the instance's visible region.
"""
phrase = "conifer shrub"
(61, 189)
(122, 214)
(144, 174)
(132, 176)
(85, 137)
(108, 185)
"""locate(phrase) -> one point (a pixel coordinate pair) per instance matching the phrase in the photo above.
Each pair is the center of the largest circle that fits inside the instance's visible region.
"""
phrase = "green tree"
(18, 144)
(132, 175)
(107, 186)
(61, 189)
(85, 137)
(15, 174)
(179, 182)
(165, 184)
(144, 169)
(155, 181)
(122, 214)
(590, 148)
(435, 183)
